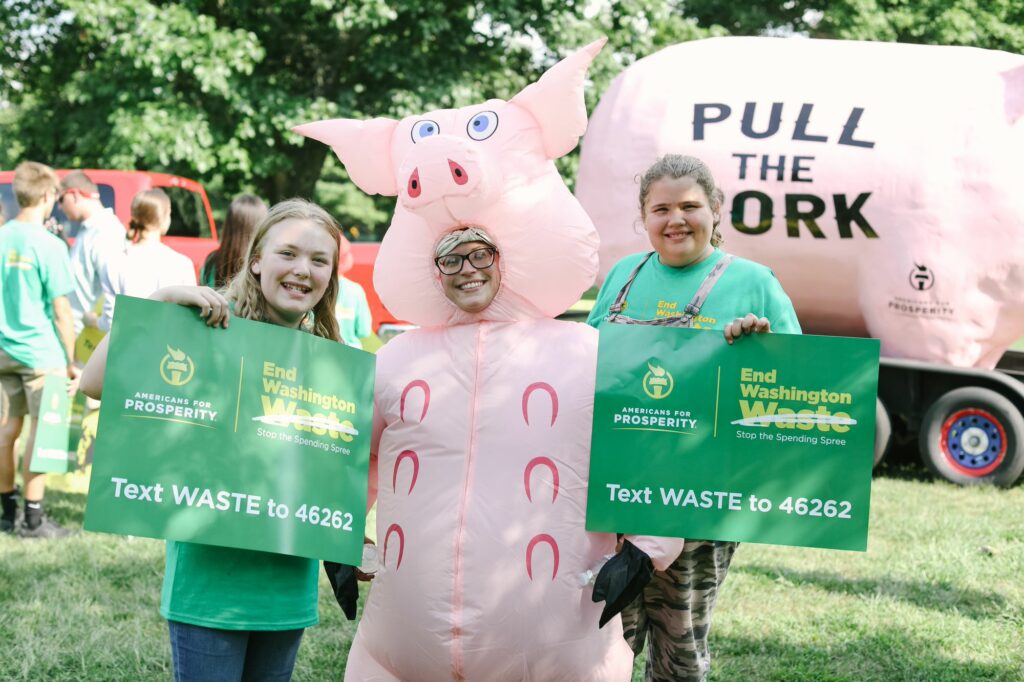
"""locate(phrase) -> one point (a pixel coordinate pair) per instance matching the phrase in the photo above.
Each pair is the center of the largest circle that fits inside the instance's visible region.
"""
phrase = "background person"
(352, 310)
(681, 208)
(36, 338)
(145, 264)
(99, 240)
(232, 613)
(245, 211)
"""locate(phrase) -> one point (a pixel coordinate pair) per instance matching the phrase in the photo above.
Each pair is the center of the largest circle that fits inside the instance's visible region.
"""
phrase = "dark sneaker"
(8, 526)
(47, 529)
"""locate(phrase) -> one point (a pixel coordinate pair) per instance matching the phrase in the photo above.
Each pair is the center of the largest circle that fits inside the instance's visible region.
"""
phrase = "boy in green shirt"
(36, 337)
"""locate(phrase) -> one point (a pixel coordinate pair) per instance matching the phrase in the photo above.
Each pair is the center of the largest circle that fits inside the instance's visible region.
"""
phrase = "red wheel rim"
(951, 441)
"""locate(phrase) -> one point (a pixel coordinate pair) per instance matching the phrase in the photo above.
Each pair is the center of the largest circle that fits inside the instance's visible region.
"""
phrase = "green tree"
(991, 24)
(210, 89)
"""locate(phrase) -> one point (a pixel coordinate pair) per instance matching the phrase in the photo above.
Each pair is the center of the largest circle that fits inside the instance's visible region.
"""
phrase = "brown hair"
(677, 166)
(32, 181)
(79, 180)
(244, 289)
(150, 208)
(243, 214)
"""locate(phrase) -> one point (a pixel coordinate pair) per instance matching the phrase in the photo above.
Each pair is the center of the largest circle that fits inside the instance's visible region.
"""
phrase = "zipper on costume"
(457, 659)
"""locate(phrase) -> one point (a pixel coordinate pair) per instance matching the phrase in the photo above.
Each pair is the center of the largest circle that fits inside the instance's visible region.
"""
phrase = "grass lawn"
(938, 596)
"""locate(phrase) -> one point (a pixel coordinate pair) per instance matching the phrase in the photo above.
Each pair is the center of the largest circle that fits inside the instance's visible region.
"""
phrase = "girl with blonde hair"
(234, 613)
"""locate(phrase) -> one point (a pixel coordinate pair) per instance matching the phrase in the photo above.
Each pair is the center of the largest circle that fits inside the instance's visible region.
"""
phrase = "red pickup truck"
(193, 231)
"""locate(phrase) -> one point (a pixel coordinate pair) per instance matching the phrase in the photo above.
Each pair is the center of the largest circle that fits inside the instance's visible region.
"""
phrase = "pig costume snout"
(481, 447)
(447, 179)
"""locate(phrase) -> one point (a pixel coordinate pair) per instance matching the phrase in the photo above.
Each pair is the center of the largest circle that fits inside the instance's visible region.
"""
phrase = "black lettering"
(739, 204)
(699, 118)
(851, 214)
(797, 169)
(743, 164)
(780, 168)
(774, 120)
(800, 131)
(851, 127)
(794, 215)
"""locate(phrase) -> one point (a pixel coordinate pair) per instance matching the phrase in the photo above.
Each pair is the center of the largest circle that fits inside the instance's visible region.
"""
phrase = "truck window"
(10, 207)
(188, 213)
(8, 204)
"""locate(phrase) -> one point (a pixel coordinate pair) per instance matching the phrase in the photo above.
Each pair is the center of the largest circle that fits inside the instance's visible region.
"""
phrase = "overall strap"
(697, 302)
(620, 300)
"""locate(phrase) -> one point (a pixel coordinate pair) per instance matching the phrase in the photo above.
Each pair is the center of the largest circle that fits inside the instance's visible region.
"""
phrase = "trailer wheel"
(883, 431)
(973, 435)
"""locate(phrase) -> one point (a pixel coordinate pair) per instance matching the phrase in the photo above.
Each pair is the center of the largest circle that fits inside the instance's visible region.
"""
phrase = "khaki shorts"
(21, 387)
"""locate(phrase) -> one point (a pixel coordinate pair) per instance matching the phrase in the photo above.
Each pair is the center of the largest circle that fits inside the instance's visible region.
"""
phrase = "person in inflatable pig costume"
(482, 420)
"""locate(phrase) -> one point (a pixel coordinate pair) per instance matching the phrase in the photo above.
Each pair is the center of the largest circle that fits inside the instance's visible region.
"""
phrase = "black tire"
(984, 438)
(883, 431)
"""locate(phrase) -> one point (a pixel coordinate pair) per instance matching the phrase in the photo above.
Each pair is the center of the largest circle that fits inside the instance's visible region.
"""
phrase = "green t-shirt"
(353, 313)
(208, 275)
(238, 589)
(34, 270)
(660, 290)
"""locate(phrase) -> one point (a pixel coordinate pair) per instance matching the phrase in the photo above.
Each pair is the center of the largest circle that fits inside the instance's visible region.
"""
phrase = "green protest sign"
(50, 454)
(768, 440)
(255, 436)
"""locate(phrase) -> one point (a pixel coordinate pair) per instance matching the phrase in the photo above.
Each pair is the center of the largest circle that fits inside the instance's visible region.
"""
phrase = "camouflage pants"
(674, 612)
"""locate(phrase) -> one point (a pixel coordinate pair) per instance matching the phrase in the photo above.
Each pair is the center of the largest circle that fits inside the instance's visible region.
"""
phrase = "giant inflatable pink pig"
(482, 422)
(882, 182)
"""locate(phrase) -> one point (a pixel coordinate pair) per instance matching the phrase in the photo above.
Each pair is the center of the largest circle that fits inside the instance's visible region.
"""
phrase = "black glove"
(346, 588)
(621, 580)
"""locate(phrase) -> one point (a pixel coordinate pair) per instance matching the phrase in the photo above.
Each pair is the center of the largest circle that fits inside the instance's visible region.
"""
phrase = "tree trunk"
(300, 180)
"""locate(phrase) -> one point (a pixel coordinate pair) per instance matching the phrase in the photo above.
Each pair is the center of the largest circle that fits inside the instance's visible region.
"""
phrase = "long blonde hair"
(244, 288)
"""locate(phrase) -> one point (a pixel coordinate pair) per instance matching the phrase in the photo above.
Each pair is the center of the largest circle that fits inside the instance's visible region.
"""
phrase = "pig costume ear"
(363, 146)
(556, 101)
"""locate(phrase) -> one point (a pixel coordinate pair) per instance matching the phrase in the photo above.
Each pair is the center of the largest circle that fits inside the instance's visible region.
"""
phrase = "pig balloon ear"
(363, 146)
(556, 101)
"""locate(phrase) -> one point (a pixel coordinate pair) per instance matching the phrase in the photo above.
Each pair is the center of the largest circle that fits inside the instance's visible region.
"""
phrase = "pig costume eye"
(424, 128)
(482, 126)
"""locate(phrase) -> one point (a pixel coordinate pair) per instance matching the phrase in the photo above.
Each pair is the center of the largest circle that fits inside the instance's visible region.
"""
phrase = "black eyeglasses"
(481, 259)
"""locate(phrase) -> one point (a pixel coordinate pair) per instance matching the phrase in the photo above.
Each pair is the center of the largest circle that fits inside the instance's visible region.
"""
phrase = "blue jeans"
(208, 654)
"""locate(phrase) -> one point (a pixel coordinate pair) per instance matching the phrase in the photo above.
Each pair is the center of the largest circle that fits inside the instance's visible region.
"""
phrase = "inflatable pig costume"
(482, 422)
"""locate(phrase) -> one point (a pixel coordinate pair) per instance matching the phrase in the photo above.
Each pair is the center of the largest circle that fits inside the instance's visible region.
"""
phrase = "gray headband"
(451, 240)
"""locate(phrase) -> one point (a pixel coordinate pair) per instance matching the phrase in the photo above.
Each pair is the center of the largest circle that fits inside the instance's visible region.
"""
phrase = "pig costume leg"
(482, 421)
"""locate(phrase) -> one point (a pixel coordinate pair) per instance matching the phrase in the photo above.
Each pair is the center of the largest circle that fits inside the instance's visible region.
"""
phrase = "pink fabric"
(482, 423)
(943, 175)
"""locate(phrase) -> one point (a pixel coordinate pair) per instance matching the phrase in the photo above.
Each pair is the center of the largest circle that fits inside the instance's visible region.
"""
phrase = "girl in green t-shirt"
(686, 281)
(233, 613)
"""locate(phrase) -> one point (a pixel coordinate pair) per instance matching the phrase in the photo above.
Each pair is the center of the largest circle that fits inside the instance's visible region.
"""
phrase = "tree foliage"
(992, 24)
(210, 89)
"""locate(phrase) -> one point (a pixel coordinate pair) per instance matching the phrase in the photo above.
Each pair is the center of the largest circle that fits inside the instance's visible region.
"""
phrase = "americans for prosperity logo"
(176, 368)
(644, 415)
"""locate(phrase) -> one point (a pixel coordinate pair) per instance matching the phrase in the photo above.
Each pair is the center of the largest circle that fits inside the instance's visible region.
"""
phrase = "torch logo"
(176, 368)
(658, 383)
